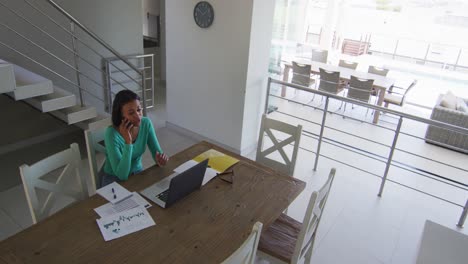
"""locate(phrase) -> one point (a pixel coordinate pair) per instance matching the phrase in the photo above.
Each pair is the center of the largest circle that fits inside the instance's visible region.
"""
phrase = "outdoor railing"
(393, 131)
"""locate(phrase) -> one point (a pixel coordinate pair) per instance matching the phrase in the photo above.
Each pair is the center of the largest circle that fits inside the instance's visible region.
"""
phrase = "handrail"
(93, 35)
(375, 107)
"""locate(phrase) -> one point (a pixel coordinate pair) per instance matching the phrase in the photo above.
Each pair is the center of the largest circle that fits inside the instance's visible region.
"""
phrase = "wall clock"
(203, 14)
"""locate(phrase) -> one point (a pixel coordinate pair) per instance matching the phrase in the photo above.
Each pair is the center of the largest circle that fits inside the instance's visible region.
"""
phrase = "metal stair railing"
(107, 80)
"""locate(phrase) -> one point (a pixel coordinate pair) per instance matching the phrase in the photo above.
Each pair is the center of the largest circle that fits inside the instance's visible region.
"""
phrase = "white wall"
(118, 23)
(259, 53)
(208, 84)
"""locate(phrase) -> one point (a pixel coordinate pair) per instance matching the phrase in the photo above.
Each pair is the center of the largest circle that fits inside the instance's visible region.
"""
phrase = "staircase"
(21, 84)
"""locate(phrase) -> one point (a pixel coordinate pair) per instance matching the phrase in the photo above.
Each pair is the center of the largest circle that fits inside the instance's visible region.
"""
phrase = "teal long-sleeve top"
(124, 159)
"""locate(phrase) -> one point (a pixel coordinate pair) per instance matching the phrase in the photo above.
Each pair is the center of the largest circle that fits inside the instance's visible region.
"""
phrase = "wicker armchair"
(447, 138)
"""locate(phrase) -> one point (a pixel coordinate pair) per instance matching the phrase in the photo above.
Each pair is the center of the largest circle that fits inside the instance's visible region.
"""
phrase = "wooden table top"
(205, 227)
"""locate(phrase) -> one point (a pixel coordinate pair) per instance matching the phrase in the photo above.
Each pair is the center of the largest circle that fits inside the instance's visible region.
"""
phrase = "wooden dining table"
(381, 83)
(207, 226)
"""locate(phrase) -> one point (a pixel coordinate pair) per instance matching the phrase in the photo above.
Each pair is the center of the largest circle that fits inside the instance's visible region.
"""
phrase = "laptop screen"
(186, 182)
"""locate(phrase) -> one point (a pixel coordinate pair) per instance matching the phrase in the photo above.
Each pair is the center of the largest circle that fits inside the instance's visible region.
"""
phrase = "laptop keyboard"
(163, 196)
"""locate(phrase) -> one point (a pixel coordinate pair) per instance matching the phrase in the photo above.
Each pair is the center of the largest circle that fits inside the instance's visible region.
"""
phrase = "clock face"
(203, 14)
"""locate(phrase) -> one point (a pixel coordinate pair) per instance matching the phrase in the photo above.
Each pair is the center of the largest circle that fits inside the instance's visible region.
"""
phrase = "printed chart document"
(114, 192)
(129, 203)
(209, 173)
(125, 223)
(218, 160)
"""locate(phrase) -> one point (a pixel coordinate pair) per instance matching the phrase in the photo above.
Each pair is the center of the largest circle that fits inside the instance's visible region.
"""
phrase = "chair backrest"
(348, 64)
(287, 163)
(329, 81)
(400, 95)
(39, 175)
(377, 70)
(248, 250)
(360, 89)
(301, 74)
(320, 55)
(95, 145)
(317, 202)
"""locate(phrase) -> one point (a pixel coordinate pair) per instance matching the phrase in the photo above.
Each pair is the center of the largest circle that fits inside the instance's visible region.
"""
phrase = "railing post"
(152, 80)
(143, 93)
(390, 157)
(462, 219)
(109, 87)
(396, 48)
(322, 128)
(267, 95)
(77, 67)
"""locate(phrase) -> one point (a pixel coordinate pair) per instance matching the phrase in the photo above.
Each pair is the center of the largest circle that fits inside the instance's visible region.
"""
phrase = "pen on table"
(115, 195)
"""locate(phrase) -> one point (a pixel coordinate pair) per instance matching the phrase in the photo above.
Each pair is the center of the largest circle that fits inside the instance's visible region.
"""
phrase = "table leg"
(285, 79)
(380, 100)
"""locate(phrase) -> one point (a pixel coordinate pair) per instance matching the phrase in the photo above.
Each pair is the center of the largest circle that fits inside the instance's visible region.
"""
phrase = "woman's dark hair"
(121, 98)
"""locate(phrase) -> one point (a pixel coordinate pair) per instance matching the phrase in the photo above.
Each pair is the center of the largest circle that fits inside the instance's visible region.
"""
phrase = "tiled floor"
(357, 225)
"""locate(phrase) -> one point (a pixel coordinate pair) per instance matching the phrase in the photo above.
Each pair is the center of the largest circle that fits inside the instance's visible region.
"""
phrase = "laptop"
(176, 186)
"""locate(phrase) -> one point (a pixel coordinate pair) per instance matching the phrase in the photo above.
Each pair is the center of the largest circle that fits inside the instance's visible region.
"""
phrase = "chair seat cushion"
(393, 99)
(449, 101)
(279, 240)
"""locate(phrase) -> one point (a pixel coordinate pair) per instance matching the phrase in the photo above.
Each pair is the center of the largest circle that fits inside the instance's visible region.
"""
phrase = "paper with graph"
(218, 160)
(125, 223)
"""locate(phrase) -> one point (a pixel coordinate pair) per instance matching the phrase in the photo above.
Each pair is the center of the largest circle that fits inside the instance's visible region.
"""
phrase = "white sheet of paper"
(112, 189)
(125, 223)
(129, 203)
(209, 174)
(185, 166)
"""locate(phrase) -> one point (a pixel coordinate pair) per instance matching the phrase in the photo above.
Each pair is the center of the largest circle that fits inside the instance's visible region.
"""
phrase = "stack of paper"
(218, 162)
(124, 214)
(124, 223)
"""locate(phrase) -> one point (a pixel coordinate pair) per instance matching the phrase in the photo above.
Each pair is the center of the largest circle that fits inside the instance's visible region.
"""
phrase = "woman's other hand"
(161, 159)
(125, 130)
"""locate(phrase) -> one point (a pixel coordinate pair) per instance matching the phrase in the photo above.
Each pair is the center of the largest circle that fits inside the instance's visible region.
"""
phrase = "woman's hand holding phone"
(161, 159)
(125, 130)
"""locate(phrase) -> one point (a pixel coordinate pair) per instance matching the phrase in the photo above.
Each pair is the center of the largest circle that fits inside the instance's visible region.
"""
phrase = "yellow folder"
(218, 160)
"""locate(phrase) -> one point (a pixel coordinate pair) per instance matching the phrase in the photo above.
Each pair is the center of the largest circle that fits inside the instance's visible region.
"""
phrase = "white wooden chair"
(95, 145)
(288, 241)
(34, 177)
(288, 163)
(248, 250)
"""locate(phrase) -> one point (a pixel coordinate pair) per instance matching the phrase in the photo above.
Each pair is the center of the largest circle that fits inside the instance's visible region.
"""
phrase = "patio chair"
(377, 71)
(348, 64)
(38, 176)
(329, 82)
(301, 74)
(359, 89)
(289, 241)
(287, 164)
(396, 97)
(320, 55)
(247, 252)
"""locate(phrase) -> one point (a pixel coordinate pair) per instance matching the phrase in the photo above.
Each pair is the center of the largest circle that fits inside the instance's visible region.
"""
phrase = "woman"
(127, 138)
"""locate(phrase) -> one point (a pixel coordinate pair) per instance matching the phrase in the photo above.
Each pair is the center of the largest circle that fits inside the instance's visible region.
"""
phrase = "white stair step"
(59, 99)
(95, 123)
(29, 84)
(7, 78)
(75, 114)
